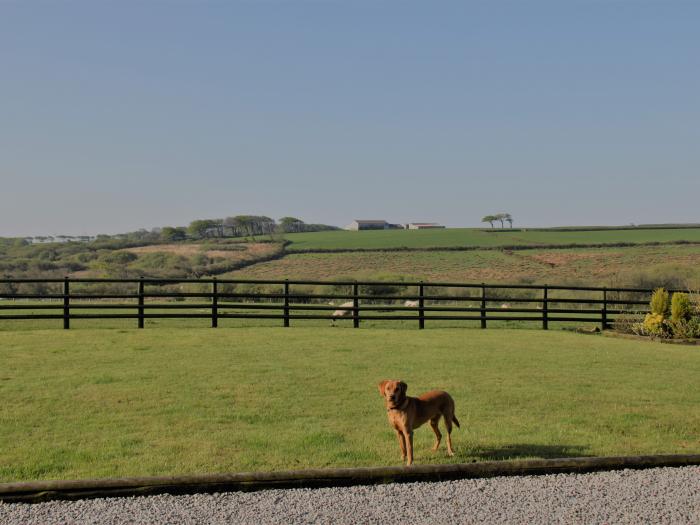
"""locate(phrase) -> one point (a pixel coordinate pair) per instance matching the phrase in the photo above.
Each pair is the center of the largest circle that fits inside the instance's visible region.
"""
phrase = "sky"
(116, 116)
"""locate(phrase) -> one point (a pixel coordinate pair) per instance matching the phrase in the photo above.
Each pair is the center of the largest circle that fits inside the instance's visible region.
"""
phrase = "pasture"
(123, 402)
(591, 266)
(471, 237)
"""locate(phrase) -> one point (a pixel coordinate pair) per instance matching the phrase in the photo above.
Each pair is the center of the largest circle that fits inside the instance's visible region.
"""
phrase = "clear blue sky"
(121, 115)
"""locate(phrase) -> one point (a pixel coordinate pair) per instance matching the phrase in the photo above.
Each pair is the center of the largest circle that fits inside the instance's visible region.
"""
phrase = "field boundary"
(40, 491)
(288, 300)
(289, 248)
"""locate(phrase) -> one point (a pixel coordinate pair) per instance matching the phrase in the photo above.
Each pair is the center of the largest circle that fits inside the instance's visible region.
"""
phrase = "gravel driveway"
(661, 495)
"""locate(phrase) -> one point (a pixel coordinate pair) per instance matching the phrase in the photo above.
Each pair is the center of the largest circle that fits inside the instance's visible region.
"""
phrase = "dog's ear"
(403, 386)
(381, 387)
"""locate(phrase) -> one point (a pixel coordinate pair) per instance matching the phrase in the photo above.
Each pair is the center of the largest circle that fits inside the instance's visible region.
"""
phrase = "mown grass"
(97, 403)
(465, 237)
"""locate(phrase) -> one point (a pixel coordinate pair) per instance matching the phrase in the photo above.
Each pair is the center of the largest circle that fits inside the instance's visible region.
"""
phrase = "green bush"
(685, 328)
(660, 303)
(118, 258)
(681, 307)
(655, 325)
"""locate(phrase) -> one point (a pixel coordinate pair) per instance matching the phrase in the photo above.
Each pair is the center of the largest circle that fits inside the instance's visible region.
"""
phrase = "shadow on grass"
(518, 451)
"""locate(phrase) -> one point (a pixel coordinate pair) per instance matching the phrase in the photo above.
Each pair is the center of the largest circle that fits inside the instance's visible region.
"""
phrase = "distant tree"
(218, 225)
(244, 224)
(500, 217)
(265, 225)
(291, 225)
(509, 219)
(199, 229)
(171, 234)
(490, 219)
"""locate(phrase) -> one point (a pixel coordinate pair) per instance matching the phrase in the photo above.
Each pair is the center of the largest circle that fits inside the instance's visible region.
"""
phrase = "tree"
(200, 228)
(500, 217)
(489, 219)
(291, 224)
(244, 224)
(168, 233)
(509, 219)
(265, 225)
(233, 225)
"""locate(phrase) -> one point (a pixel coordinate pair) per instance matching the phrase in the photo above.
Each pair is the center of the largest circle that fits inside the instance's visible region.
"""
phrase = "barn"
(368, 225)
(423, 225)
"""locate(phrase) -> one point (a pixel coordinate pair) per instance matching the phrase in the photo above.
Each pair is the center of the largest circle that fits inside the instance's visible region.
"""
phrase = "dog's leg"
(408, 436)
(402, 444)
(438, 436)
(448, 425)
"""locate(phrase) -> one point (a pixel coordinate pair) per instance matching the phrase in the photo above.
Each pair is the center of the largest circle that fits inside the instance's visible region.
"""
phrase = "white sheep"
(412, 304)
(342, 313)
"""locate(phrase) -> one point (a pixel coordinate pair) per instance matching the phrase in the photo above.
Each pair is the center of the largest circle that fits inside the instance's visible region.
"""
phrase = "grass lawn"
(103, 403)
(452, 237)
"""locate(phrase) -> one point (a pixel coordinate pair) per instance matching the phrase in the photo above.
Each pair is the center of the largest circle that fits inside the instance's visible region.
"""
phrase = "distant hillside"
(454, 238)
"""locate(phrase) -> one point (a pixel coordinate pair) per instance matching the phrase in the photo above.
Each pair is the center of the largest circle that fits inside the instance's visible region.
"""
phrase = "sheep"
(342, 313)
(505, 305)
(412, 304)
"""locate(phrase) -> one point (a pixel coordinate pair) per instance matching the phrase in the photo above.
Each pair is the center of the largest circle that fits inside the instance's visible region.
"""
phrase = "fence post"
(545, 308)
(214, 303)
(421, 312)
(483, 305)
(140, 292)
(66, 303)
(604, 320)
(355, 306)
(286, 303)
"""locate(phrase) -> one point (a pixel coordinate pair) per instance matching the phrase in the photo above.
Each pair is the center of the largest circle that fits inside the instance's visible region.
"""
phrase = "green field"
(614, 266)
(468, 237)
(103, 403)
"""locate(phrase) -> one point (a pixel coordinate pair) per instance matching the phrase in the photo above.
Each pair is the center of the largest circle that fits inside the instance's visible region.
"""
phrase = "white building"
(423, 225)
(368, 225)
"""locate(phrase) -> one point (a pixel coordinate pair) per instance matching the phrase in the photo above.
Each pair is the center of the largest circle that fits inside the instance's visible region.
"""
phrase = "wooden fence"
(140, 299)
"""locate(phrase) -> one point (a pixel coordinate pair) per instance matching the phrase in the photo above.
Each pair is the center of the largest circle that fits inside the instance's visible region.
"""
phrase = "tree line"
(501, 217)
(239, 226)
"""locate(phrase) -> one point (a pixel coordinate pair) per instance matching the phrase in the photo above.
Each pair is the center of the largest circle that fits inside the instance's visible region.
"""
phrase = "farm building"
(368, 225)
(423, 225)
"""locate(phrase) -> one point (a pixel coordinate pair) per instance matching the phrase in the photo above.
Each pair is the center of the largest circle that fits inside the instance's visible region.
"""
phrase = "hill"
(645, 257)
(454, 238)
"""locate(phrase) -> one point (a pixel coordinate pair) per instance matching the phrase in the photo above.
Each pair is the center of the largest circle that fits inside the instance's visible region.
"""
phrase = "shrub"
(629, 324)
(660, 303)
(668, 275)
(685, 328)
(681, 307)
(118, 258)
(655, 325)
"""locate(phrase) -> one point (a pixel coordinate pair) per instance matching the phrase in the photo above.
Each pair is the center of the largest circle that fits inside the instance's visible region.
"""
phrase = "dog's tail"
(454, 420)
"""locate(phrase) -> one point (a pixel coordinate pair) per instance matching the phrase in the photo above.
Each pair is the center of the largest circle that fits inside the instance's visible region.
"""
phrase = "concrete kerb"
(38, 491)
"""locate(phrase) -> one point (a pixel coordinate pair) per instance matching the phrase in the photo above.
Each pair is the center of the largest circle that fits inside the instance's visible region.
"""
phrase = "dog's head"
(393, 392)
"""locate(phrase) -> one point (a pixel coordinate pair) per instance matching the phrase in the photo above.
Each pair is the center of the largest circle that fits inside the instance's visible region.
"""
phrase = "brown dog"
(407, 413)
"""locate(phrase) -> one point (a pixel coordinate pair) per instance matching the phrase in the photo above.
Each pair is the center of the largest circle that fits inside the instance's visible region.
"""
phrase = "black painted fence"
(68, 299)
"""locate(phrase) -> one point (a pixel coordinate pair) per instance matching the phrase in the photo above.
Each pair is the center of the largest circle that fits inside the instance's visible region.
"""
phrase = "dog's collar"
(402, 407)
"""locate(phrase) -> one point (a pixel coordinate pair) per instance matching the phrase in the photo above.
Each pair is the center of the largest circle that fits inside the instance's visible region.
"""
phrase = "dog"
(408, 413)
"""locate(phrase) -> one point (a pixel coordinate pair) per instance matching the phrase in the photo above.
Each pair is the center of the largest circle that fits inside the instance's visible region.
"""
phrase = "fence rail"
(25, 299)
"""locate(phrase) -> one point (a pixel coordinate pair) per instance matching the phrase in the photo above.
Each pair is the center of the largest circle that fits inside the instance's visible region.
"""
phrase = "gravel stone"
(660, 495)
